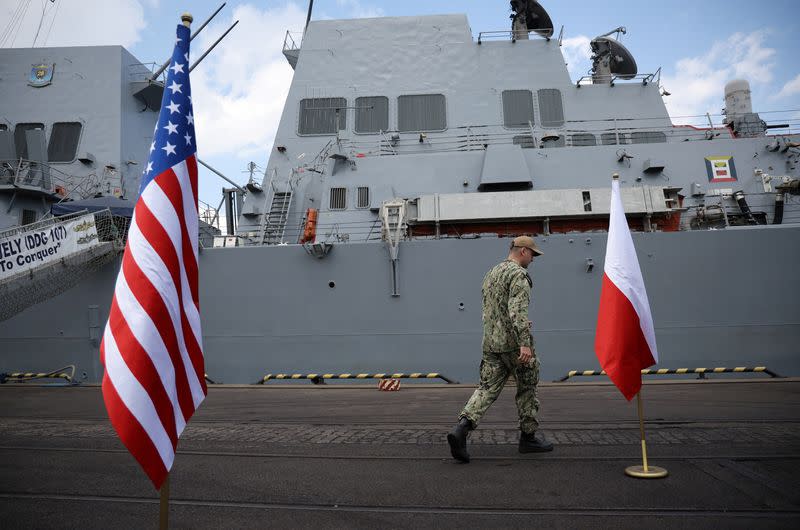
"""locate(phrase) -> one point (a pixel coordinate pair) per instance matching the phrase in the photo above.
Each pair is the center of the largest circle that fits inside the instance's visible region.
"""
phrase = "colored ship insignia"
(720, 169)
(41, 75)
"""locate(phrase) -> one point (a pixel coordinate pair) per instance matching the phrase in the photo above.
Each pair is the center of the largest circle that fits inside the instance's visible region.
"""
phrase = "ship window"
(20, 142)
(423, 112)
(338, 198)
(363, 197)
(648, 137)
(320, 115)
(587, 201)
(553, 142)
(551, 109)
(611, 138)
(372, 114)
(63, 142)
(28, 217)
(517, 108)
(525, 141)
(3, 127)
(583, 139)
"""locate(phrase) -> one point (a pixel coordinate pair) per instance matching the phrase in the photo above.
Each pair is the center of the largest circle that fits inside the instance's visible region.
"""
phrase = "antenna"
(610, 59)
(191, 38)
(529, 15)
(308, 17)
(618, 31)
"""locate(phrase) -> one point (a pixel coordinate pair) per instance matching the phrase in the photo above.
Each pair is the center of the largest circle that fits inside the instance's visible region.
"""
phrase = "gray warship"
(409, 151)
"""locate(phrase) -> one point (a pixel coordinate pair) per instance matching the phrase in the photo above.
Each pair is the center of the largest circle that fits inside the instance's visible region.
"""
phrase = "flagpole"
(163, 509)
(644, 471)
(163, 514)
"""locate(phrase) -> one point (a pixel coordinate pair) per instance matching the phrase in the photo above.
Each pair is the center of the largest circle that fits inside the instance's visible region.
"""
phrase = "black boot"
(530, 443)
(458, 440)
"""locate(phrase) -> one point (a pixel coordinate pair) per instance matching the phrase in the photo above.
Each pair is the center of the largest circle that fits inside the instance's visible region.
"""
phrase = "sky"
(240, 89)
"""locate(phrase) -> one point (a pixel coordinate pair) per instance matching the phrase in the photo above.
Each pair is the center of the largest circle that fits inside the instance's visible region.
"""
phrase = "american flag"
(152, 345)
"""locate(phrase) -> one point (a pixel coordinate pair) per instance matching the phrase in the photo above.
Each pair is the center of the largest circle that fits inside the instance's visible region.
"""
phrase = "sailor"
(508, 348)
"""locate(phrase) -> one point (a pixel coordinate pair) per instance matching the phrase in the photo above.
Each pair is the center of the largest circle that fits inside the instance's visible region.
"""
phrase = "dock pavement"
(345, 456)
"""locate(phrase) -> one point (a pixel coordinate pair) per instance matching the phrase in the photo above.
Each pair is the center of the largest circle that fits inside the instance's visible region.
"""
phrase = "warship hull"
(718, 297)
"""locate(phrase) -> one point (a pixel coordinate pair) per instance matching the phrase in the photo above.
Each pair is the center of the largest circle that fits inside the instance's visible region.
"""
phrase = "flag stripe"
(189, 229)
(620, 342)
(157, 211)
(164, 306)
(622, 267)
(148, 341)
(153, 304)
(191, 166)
(138, 362)
(136, 400)
(175, 192)
(625, 339)
(133, 436)
(170, 183)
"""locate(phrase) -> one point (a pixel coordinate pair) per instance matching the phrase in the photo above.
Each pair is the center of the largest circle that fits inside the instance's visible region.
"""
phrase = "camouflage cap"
(526, 242)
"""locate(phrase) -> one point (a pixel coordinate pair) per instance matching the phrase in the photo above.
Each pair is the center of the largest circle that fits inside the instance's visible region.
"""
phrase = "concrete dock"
(342, 456)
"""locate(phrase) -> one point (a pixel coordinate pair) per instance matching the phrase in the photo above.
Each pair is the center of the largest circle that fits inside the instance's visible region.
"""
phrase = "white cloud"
(356, 9)
(239, 90)
(577, 54)
(70, 23)
(697, 83)
(791, 88)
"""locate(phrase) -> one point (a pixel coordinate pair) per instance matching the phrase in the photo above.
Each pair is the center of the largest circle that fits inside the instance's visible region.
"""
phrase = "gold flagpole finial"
(187, 19)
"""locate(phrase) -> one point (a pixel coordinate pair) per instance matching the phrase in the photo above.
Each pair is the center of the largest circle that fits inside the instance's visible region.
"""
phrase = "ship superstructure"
(410, 147)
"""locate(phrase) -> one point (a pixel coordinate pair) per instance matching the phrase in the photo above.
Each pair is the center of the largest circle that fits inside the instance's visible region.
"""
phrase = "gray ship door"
(39, 172)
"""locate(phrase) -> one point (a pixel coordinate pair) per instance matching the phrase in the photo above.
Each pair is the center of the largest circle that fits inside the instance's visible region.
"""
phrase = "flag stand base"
(651, 472)
(645, 470)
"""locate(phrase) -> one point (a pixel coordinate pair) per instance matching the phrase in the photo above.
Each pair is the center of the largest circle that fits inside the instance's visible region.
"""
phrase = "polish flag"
(625, 342)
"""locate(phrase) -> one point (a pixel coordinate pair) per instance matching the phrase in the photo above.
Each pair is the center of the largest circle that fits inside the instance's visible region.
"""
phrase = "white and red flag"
(152, 345)
(625, 342)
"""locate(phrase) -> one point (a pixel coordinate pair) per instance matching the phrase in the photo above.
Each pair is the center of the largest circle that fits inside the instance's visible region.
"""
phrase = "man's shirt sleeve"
(519, 297)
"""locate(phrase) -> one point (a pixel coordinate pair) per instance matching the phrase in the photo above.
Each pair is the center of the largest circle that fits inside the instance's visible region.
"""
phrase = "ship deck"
(336, 456)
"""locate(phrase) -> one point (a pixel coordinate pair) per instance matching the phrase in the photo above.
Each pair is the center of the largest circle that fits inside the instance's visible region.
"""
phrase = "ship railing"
(47, 279)
(28, 174)
(290, 41)
(510, 35)
(208, 214)
(644, 79)
(478, 137)
(47, 178)
(109, 227)
(41, 224)
(144, 72)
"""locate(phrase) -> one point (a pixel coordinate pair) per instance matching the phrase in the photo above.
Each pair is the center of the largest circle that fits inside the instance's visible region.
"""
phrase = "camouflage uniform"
(506, 296)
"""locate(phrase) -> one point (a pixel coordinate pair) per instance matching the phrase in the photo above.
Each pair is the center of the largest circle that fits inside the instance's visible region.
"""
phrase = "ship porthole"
(331, 284)
(461, 306)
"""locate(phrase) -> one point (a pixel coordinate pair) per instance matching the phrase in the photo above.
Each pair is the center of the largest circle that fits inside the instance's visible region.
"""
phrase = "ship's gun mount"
(738, 111)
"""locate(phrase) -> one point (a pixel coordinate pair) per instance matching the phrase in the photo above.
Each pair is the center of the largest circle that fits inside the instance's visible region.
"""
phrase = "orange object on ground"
(389, 385)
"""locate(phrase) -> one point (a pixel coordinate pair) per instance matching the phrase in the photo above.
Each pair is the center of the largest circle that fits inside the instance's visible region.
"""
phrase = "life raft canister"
(310, 230)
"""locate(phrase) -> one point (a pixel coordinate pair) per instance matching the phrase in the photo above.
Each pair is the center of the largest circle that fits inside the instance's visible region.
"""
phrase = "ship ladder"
(274, 222)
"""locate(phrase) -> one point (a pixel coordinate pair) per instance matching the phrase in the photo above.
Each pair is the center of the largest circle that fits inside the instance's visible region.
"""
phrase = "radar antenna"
(527, 16)
(611, 60)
